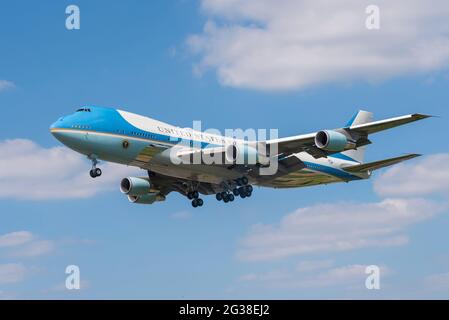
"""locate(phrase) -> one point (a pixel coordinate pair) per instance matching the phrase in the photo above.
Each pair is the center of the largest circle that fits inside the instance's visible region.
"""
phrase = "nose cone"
(55, 129)
(57, 124)
(57, 134)
(75, 140)
(59, 130)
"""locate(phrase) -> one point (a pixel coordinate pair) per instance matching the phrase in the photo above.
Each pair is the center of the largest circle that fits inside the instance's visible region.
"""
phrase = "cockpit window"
(83, 110)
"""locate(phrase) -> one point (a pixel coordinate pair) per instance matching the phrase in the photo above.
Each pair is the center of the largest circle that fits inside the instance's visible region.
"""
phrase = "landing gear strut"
(193, 195)
(243, 181)
(94, 172)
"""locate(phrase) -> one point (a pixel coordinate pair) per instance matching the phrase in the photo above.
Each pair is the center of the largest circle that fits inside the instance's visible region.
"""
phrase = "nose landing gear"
(94, 172)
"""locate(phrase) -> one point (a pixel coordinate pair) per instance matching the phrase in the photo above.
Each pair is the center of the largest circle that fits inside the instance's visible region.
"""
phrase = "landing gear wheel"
(231, 197)
(189, 195)
(248, 194)
(200, 202)
(243, 195)
(195, 194)
(236, 191)
(194, 203)
(244, 181)
(218, 196)
(94, 172)
(226, 198)
(249, 188)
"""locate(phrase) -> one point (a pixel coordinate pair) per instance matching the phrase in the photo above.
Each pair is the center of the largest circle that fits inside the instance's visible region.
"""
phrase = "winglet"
(380, 125)
(420, 116)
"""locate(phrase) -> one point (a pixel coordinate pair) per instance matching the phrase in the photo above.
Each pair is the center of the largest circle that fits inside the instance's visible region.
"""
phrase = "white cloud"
(437, 282)
(291, 44)
(11, 272)
(15, 238)
(29, 171)
(313, 265)
(430, 175)
(25, 244)
(61, 287)
(248, 277)
(336, 227)
(349, 277)
(181, 215)
(346, 275)
(34, 249)
(6, 85)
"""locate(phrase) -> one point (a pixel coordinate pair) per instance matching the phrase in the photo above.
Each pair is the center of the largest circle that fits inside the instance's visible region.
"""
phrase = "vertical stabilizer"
(361, 117)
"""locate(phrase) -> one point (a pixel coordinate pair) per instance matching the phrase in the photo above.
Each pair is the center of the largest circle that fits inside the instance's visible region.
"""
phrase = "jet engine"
(133, 186)
(330, 140)
(148, 198)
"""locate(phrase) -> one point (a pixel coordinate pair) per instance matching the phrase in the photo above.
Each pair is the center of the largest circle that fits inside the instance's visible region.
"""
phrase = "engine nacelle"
(133, 186)
(244, 154)
(148, 198)
(330, 140)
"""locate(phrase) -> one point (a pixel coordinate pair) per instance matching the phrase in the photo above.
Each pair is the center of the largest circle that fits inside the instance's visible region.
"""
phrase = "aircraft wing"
(189, 152)
(283, 147)
(357, 133)
(376, 126)
(295, 144)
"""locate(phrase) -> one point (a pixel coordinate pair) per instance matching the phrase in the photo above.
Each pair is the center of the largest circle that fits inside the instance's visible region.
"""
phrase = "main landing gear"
(225, 196)
(242, 189)
(243, 192)
(195, 197)
(94, 172)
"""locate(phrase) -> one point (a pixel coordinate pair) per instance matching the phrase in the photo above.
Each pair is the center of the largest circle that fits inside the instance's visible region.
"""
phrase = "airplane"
(322, 157)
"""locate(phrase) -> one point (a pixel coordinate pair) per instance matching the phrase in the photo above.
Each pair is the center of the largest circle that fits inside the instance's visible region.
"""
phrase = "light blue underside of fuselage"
(101, 132)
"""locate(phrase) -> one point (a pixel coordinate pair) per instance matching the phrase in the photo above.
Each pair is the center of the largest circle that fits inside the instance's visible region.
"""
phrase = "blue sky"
(230, 67)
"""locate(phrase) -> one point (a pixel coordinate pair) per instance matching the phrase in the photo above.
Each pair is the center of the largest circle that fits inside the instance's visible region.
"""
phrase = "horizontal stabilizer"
(379, 164)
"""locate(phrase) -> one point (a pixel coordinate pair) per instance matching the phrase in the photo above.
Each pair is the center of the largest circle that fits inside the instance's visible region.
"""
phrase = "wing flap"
(291, 144)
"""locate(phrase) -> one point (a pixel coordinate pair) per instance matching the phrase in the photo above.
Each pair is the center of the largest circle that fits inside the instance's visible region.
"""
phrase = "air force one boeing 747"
(321, 157)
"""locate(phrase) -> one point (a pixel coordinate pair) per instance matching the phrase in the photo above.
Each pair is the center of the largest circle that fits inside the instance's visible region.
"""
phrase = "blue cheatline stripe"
(342, 157)
(351, 121)
(109, 121)
(332, 171)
